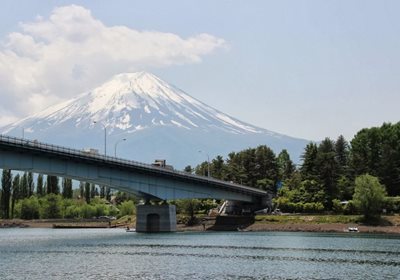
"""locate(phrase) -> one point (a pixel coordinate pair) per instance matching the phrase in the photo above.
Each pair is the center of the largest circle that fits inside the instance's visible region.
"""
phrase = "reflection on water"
(115, 254)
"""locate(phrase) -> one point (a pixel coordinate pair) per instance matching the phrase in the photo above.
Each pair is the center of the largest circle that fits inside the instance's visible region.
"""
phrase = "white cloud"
(56, 58)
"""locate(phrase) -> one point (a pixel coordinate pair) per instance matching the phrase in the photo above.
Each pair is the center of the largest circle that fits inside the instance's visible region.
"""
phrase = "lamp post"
(23, 132)
(105, 137)
(208, 164)
(116, 144)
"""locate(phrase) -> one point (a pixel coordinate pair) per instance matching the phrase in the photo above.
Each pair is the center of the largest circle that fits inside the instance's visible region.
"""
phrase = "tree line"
(326, 178)
(24, 196)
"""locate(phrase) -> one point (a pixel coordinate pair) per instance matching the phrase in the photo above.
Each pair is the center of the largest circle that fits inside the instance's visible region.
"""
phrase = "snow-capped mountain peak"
(134, 101)
(158, 121)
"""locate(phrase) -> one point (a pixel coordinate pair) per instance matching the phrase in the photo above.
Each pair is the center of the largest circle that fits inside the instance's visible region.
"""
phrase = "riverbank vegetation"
(334, 177)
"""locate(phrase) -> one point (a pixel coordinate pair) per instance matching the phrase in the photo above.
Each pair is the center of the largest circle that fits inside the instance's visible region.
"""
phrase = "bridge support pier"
(156, 218)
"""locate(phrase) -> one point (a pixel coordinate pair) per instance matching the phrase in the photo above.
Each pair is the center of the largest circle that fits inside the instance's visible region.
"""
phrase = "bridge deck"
(35, 147)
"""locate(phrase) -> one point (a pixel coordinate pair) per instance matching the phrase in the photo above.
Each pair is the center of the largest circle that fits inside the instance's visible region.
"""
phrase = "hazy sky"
(308, 69)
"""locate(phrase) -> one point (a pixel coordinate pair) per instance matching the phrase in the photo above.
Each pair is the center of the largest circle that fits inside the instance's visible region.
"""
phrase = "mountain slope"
(157, 119)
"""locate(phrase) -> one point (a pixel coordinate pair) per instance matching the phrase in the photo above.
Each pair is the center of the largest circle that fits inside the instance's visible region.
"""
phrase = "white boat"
(352, 229)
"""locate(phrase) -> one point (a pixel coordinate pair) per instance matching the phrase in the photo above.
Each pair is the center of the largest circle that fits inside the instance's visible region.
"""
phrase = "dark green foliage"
(52, 185)
(188, 169)
(30, 184)
(30, 208)
(51, 206)
(67, 188)
(377, 151)
(102, 191)
(285, 165)
(253, 167)
(24, 192)
(309, 166)
(6, 183)
(39, 186)
(87, 192)
(327, 169)
(15, 193)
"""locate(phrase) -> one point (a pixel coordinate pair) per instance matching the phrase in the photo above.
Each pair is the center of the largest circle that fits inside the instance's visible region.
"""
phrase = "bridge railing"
(36, 145)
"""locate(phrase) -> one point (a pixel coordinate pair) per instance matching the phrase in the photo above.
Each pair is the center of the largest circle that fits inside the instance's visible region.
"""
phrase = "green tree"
(127, 208)
(30, 184)
(51, 206)
(308, 168)
(24, 192)
(327, 168)
(30, 208)
(15, 193)
(369, 196)
(67, 188)
(87, 192)
(188, 169)
(6, 183)
(342, 155)
(52, 185)
(285, 165)
(39, 186)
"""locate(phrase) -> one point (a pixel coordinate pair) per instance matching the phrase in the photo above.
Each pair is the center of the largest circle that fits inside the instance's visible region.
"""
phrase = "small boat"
(352, 229)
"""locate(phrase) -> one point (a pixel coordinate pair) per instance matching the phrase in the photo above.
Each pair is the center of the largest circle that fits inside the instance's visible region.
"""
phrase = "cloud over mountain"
(50, 59)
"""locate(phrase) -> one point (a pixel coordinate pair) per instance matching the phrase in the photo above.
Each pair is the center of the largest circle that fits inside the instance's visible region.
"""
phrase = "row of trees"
(326, 178)
(21, 187)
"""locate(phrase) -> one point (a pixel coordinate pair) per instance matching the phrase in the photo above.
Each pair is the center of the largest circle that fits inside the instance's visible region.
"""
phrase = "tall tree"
(15, 193)
(52, 185)
(285, 165)
(39, 186)
(327, 167)
(87, 192)
(108, 193)
(369, 196)
(342, 154)
(102, 191)
(6, 181)
(308, 168)
(30, 184)
(24, 189)
(67, 188)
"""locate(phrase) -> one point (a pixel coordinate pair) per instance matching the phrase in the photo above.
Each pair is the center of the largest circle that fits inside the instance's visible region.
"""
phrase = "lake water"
(116, 254)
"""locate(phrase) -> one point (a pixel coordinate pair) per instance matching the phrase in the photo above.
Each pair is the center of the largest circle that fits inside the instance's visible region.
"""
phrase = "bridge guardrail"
(79, 153)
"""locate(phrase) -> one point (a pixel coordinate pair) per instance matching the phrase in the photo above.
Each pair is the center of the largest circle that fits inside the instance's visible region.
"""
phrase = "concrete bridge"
(144, 180)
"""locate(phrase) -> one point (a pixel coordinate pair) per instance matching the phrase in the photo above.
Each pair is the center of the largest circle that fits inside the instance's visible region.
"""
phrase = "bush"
(392, 204)
(50, 207)
(350, 208)
(87, 211)
(29, 208)
(337, 206)
(126, 208)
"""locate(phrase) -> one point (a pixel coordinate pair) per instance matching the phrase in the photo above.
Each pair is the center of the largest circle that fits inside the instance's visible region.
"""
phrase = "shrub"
(337, 206)
(29, 208)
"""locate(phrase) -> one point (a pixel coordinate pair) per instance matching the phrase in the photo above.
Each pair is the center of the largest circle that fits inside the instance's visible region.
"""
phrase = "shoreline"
(255, 227)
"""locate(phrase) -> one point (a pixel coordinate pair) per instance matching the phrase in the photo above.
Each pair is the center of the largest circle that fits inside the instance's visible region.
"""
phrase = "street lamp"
(208, 163)
(116, 144)
(105, 137)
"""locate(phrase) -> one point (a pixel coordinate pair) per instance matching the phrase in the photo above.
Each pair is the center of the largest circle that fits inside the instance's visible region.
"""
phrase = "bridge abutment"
(156, 218)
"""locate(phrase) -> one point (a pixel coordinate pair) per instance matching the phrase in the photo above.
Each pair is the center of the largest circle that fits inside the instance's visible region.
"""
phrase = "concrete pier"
(156, 218)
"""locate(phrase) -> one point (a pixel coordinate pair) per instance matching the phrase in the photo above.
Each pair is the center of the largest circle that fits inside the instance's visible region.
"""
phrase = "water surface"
(116, 254)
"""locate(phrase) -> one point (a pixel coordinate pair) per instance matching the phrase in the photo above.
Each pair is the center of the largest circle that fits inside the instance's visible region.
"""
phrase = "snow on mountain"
(134, 105)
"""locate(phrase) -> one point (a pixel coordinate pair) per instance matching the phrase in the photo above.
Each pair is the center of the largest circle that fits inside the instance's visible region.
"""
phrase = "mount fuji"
(158, 121)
